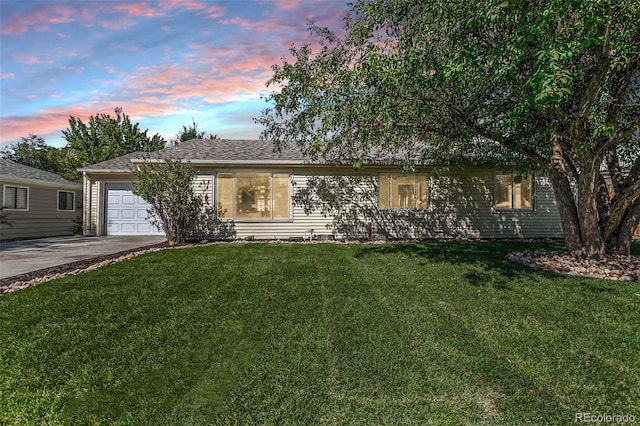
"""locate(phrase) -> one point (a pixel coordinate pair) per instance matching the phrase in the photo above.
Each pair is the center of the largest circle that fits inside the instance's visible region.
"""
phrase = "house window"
(253, 196)
(66, 200)
(403, 192)
(16, 197)
(513, 192)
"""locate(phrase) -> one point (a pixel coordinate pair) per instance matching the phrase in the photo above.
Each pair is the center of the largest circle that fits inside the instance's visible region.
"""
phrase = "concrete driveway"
(20, 257)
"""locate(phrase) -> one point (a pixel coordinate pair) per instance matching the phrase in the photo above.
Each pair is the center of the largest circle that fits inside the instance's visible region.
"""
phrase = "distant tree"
(191, 132)
(105, 137)
(33, 151)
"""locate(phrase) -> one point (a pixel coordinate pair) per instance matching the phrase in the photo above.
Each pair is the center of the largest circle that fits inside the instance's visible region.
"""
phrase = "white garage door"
(127, 213)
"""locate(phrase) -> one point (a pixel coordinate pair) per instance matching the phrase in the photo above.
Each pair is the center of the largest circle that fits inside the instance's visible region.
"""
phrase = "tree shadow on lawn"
(484, 259)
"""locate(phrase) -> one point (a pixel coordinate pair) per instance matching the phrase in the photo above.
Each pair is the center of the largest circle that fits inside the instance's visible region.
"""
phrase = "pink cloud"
(7, 75)
(39, 18)
(116, 24)
(214, 12)
(51, 121)
(137, 9)
(23, 58)
(286, 4)
(257, 26)
(210, 11)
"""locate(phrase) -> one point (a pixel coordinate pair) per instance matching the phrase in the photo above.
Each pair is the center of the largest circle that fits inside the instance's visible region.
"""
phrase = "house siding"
(42, 219)
(460, 206)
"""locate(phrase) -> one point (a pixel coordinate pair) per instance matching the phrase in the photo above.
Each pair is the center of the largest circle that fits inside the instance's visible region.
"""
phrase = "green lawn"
(433, 333)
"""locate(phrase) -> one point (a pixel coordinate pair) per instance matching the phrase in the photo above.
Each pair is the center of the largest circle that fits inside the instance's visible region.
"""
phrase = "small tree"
(168, 188)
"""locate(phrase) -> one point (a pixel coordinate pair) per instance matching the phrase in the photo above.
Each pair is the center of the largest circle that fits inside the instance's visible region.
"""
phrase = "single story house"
(37, 203)
(259, 190)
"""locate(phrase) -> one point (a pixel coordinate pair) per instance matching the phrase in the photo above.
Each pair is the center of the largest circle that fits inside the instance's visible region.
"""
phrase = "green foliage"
(191, 132)
(105, 137)
(33, 151)
(176, 208)
(4, 218)
(507, 82)
(290, 334)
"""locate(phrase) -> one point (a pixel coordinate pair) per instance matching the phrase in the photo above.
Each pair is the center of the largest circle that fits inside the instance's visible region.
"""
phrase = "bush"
(175, 207)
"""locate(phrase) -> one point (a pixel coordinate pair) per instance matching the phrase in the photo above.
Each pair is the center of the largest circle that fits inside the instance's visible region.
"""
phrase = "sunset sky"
(163, 61)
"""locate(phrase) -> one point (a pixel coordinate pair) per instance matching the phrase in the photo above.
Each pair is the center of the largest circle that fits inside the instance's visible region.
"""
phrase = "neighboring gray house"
(259, 190)
(38, 203)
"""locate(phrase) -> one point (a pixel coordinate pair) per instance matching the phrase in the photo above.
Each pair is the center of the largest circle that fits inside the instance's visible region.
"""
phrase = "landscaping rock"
(612, 267)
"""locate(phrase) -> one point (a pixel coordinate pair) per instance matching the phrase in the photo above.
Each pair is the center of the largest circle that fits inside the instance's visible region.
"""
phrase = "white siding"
(460, 205)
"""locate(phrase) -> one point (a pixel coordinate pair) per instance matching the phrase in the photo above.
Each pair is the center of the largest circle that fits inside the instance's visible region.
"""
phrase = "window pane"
(421, 190)
(10, 197)
(15, 198)
(65, 200)
(253, 196)
(21, 198)
(503, 191)
(280, 196)
(403, 192)
(383, 197)
(524, 192)
(225, 195)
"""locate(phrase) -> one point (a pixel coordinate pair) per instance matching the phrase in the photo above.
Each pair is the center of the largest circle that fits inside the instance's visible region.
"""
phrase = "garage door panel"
(129, 200)
(126, 213)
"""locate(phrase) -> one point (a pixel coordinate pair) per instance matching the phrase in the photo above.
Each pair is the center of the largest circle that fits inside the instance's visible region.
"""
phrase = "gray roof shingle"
(230, 152)
(11, 169)
(206, 151)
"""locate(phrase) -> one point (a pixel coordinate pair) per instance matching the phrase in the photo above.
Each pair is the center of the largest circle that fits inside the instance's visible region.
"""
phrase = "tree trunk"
(593, 246)
(621, 238)
(568, 211)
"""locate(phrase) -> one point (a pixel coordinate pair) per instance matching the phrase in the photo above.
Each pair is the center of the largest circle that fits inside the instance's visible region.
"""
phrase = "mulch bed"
(612, 267)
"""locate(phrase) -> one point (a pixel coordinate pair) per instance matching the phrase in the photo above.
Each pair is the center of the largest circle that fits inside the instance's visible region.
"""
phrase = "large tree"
(33, 151)
(547, 86)
(105, 137)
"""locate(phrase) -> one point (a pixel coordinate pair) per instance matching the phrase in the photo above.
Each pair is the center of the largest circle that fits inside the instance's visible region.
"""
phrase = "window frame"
(272, 201)
(513, 189)
(4, 197)
(391, 176)
(73, 202)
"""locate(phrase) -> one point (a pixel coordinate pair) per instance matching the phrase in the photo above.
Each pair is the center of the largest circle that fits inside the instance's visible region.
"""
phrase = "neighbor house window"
(513, 192)
(253, 196)
(16, 197)
(66, 200)
(403, 192)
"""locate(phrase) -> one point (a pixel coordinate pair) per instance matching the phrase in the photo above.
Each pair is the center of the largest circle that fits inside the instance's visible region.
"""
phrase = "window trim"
(415, 190)
(233, 174)
(73, 202)
(4, 197)
(512, 208)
